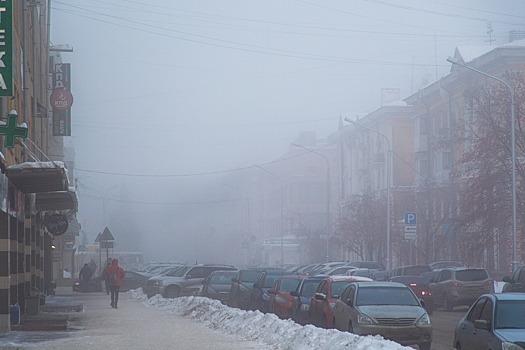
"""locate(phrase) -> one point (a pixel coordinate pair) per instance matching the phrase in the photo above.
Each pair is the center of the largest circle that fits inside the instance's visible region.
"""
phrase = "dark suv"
(241, 287)
(516, 283)
(182, 280)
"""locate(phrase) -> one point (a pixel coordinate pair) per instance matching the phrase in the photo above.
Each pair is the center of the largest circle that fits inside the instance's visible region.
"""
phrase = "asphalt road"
(443, 325)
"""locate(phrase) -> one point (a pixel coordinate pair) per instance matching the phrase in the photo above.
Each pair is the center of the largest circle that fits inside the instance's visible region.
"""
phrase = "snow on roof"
(396, 103)
(350, 278)
(265, 328)
(38, 165)
(470, 53)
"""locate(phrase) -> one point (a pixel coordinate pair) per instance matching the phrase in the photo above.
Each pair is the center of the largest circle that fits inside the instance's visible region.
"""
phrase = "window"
(476, 311)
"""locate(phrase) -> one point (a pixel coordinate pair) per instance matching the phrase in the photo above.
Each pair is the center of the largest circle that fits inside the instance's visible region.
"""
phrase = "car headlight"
(423, 320)
(266, 297)
(510, 346)
(364, 319)
(305, 307)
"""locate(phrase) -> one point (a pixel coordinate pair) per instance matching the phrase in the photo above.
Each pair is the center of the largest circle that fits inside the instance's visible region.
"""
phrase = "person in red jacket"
(116, 275)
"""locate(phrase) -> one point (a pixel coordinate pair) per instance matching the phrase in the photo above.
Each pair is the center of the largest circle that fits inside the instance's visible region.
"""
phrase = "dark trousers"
(114, 295)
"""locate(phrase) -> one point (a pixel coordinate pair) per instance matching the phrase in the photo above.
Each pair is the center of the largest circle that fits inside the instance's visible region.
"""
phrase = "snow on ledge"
(38, 165)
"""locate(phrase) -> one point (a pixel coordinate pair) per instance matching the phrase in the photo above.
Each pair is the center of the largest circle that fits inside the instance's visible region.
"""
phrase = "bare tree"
(362, 226)
(484, 172)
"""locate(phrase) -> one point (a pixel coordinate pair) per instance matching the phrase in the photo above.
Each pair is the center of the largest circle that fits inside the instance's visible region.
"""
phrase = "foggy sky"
(166, 88)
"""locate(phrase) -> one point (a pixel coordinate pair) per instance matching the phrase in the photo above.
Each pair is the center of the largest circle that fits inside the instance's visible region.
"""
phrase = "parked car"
(445, 263)
(133, 280)
(455, 286)
(494, 321)
(372, 265)
(260, 298)
(421, 289)
(302, 298)
(339, 270)
(328, 291)
(280, 297)
(323, 268)
(241, 287)
(409, 270)
(380, 275)
(95, 284)
(180, 281)
(389, 309)
(516, 283)
(361, 272)
(217, 285)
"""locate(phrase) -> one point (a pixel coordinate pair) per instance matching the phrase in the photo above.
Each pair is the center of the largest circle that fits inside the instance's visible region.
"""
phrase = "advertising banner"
(61, 100)
(6, 48)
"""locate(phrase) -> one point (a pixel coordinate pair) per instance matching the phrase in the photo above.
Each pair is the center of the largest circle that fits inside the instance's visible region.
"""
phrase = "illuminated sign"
(6, 48)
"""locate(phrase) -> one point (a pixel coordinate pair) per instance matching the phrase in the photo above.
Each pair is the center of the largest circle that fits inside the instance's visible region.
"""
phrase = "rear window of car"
(416, 270)
(289, 284)
(472, 275)
(269, 282)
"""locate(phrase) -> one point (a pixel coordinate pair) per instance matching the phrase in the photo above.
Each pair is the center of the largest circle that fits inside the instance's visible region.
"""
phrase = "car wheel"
(447, 305)
(172, 292)
(424, 346)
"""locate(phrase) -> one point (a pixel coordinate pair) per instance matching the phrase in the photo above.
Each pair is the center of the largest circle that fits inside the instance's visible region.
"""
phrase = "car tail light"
(426, 293)
(413, 284)
(489, 283)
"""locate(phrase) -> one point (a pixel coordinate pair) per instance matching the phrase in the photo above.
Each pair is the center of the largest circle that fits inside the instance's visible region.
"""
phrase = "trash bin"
(32, 305)
(15, 314)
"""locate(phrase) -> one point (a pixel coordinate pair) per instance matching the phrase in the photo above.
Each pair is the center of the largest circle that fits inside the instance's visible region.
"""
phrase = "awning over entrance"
(36, 177)
(58, 200)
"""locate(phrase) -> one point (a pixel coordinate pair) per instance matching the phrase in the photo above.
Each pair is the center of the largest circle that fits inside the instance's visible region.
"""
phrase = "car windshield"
(510, 314)
(471, 275)
(385, 296)
(269, 282)
(178, 271)
(337, 288)
(250, 276)
(289, 284)
(222, 278)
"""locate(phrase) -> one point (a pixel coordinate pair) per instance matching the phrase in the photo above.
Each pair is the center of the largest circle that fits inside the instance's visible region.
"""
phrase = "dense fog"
(176, 102)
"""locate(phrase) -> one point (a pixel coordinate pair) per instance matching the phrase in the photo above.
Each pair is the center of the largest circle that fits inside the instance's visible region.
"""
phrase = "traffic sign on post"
(410, 218)
(410, 232)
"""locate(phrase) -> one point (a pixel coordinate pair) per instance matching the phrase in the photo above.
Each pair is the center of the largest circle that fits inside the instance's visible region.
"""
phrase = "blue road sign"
(410, 218)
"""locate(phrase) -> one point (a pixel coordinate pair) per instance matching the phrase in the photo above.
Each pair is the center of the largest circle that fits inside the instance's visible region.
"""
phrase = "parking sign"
(410, 218)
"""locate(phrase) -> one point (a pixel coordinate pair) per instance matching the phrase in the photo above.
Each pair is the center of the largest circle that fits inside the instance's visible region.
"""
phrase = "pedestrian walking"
(116, 275)
(105, 276)
(85, 275)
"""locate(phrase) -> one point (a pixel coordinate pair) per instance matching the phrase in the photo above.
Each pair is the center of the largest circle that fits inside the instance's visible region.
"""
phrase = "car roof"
(507, 296)
(380, 284)
(349, 278)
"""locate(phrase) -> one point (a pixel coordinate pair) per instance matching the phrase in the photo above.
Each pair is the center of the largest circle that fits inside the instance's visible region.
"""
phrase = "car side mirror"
(481, 324)
(422, 302)
(294, 293)
(349, 302)
(187, 277)
(319, 296)
(506, 279)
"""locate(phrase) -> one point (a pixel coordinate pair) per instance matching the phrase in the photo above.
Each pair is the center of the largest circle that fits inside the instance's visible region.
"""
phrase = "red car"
(280, 298)
(327, 293)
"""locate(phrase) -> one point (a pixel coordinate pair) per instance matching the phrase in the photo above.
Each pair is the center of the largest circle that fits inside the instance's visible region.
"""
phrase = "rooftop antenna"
(489, 31)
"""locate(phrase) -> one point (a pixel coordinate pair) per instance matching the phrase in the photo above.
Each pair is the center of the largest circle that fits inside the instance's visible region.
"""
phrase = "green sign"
(11, 130)
(6, 48)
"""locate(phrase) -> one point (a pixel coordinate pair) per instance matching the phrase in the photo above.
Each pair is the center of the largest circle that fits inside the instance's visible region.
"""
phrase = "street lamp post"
(388, 194)
(328, 190)
(249, 216)
(282, 209)
(455, 61)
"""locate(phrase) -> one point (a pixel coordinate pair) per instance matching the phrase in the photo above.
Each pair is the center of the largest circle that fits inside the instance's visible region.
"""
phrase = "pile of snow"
(264, 328)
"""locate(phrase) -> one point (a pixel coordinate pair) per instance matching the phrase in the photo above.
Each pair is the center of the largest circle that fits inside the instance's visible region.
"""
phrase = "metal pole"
(388, 185)
(454, 60)
(328, 200)
(282, 210)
